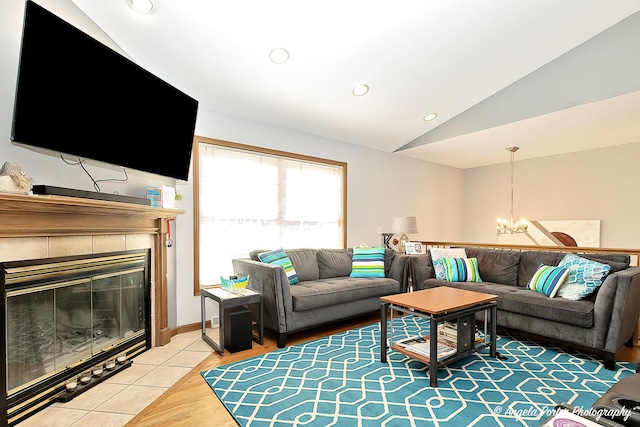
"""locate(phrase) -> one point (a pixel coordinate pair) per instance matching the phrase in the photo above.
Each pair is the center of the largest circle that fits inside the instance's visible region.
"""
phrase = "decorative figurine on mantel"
(14, 180)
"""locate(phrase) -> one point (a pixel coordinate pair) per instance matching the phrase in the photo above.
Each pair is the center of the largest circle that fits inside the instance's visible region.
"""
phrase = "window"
(253, 198)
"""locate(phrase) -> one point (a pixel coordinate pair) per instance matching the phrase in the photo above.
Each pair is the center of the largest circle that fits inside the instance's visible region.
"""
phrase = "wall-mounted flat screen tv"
(78, 97)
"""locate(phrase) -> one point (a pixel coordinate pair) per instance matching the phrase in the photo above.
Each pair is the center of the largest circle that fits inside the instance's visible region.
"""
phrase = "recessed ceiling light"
(279, 55)
(430, 117)
(141, 6)
(360, 90)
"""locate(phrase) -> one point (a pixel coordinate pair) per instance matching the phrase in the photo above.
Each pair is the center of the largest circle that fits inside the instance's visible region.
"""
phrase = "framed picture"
(414, 248)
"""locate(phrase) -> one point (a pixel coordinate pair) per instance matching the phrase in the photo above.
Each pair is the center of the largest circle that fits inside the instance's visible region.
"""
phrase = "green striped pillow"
(547, 280)
(461, 269)
(279, 257)
(367, 262)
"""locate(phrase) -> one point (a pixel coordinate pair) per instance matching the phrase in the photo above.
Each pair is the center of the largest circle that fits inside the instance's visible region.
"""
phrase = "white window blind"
(257, 200)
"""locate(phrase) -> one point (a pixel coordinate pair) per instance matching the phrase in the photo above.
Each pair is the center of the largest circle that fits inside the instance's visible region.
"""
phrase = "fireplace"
(63, 317)
(48, 227)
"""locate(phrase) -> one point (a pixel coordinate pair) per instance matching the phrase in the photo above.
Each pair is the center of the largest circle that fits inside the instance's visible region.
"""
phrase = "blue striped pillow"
(547, 279)
(461, 269)
(279, 257)
(367, 262)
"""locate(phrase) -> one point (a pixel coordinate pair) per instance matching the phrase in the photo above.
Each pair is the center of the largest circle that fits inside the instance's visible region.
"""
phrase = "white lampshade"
(405, 225)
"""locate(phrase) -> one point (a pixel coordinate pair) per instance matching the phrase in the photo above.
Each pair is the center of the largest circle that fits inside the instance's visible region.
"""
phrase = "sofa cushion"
(585, 276)
(389, 255)
(367, 262)
(529, 303)
(305, 262)
(254, 254)
(547, 280)
(333, 263)
(279, 257)
(338, 290)
(496, 265)
(461, 269)
(531, 260)
(437, 254)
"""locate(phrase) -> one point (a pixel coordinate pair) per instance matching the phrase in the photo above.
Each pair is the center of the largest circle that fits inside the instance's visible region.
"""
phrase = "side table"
(227, 299)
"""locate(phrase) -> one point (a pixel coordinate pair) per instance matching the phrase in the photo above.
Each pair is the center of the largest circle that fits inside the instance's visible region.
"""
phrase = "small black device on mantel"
(237, 328)
(78, 97)
(49, 190)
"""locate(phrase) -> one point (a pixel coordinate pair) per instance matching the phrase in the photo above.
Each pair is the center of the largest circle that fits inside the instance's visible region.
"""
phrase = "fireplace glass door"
(60, 323)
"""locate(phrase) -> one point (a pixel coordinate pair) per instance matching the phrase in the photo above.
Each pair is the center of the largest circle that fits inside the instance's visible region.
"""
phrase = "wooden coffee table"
(438, 305)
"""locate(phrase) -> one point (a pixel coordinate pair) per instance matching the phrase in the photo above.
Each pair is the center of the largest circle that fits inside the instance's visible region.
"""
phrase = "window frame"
(255, 150)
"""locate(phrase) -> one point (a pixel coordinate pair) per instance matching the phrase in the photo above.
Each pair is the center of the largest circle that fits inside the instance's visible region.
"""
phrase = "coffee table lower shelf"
(441, 361)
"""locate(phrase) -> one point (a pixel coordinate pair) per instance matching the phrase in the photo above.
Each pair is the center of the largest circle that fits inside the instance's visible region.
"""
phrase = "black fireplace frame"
(35, 397)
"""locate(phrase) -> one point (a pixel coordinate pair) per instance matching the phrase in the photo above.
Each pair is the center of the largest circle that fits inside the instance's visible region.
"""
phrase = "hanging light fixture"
(510, 227)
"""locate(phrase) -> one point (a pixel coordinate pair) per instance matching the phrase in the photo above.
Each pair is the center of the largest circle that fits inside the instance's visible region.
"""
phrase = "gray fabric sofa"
(325, 294)
(599, 323)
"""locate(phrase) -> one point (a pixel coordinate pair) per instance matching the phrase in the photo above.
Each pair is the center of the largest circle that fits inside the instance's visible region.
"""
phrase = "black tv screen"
(78, 97)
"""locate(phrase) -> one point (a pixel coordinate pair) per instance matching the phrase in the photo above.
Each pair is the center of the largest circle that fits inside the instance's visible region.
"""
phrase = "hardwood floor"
(190, 402)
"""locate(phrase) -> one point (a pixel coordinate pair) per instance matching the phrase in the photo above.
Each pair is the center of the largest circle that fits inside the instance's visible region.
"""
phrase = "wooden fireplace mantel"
(45, 216)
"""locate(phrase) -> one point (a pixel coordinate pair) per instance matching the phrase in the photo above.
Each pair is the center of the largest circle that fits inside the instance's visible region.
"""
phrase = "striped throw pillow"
(547, 280)
(461, 269)
(367, 262)
(437, 254)
(279, 257)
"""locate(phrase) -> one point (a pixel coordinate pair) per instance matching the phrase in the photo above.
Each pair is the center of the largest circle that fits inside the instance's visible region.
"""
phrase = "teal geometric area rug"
(340, 381)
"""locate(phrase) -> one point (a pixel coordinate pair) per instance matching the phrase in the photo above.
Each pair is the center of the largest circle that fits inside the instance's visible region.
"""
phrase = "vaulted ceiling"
(548, 76)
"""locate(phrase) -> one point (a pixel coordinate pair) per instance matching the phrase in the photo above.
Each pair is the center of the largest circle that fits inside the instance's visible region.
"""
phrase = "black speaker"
(237, 329)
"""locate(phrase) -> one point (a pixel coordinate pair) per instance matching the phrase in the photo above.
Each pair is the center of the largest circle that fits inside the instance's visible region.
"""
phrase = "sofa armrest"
(272, 283)
(616, 310)
(420, 269)
(399, 270)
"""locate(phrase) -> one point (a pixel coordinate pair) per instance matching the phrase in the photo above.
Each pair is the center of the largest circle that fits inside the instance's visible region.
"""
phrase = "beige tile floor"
(118, 399)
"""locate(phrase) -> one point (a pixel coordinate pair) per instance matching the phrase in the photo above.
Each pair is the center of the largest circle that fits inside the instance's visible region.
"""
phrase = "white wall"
(596, 184)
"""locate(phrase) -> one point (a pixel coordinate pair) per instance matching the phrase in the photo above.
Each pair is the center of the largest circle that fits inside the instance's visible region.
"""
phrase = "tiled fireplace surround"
(33, 227)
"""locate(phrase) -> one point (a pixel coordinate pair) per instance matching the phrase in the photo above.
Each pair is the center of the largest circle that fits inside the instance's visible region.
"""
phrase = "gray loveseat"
(325, 293)
(599, 323)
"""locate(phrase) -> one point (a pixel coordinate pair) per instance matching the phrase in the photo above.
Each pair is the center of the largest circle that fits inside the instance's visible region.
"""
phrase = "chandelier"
(505, 226)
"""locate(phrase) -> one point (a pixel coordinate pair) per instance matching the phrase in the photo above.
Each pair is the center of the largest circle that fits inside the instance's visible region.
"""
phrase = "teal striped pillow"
(367, 262)
(279, 257)
(547, 280)
(461, 269)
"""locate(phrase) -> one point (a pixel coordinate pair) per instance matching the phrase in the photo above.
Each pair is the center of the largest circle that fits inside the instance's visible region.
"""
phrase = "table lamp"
(403, 226)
